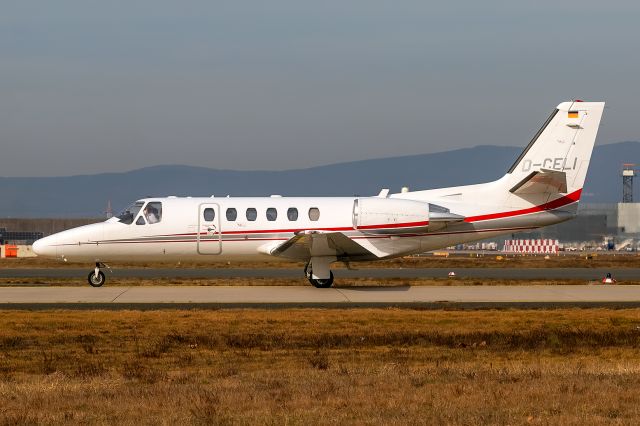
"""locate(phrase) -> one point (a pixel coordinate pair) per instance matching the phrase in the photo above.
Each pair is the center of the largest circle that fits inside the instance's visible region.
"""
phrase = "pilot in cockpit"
(151, 213)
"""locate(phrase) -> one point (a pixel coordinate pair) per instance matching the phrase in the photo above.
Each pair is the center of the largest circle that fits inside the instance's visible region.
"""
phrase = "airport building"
(596, 224)
(17, 243)
(25, 231)
(19, 237)
(608, 225)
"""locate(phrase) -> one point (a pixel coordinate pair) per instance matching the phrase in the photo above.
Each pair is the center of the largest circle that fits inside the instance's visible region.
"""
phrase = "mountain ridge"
(87, 195)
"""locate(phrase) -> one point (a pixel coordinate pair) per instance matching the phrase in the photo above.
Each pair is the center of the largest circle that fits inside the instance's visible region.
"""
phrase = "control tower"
(628, 173)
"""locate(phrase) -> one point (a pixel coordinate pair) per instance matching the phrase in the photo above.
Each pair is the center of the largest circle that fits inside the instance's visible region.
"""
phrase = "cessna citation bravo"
(541, 188)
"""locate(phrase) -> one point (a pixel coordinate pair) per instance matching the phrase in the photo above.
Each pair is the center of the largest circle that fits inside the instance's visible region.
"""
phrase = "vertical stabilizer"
(557, 158)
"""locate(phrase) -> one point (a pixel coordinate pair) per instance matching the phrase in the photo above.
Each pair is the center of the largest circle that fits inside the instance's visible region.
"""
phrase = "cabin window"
(209, 214)
(232, 214)
(272, 214)
(314, 213)
(153, 212)
(252, 214)
(292, 214)
(126, 216)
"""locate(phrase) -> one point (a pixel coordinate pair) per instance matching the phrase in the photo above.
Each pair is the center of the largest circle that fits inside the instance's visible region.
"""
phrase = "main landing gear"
(96, 277)
(320, 283)
(318, 273)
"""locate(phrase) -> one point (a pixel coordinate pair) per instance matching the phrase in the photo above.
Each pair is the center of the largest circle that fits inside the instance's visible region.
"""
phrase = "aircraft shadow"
(375, 288)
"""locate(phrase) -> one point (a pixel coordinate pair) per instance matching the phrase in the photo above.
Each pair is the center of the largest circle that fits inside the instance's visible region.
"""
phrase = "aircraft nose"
(44, 248)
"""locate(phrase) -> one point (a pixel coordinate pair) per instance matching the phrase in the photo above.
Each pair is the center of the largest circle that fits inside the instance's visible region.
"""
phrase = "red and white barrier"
(542, 246)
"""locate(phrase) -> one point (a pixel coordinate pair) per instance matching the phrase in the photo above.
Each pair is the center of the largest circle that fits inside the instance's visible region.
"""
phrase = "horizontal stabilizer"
(543, 181)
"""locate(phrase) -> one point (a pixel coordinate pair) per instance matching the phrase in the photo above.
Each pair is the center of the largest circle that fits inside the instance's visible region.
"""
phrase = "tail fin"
(557, 158)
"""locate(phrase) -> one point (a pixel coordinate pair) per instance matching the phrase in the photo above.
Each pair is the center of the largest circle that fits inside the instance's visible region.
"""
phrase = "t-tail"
(557, 159)
(548, 175)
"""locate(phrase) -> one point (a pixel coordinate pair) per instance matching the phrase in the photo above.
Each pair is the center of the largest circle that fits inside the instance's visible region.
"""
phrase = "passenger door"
(209, 232)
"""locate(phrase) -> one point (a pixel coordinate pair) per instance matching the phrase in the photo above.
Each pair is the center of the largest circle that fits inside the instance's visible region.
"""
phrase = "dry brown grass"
(307, 366)
(454, 261)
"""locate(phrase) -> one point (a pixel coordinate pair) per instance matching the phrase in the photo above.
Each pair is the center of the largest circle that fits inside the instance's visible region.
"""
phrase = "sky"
(92, 86)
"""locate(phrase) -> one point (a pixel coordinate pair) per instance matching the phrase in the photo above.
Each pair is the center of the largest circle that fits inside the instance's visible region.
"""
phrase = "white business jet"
(541, 188)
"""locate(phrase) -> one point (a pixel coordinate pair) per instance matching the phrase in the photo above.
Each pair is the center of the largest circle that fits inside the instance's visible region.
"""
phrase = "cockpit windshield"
(127, 215)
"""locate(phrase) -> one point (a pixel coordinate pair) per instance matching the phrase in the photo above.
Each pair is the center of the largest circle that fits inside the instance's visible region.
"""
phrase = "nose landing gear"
(96, 277)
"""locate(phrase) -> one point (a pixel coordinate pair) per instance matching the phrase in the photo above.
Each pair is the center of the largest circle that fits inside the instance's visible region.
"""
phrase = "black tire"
(326, 283)
(96, 281)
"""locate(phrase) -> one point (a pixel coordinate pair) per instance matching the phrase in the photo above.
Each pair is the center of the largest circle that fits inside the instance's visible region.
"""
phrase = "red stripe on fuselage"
(557, 203)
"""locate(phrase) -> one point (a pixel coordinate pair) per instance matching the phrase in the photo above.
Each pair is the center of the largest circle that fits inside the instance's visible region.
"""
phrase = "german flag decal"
(573, 114)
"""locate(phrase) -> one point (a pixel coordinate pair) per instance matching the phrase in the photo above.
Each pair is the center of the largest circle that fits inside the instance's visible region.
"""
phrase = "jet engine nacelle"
(397, 216)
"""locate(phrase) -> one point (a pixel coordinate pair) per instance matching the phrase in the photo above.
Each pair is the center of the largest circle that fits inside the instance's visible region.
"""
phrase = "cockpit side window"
(127, 215)
(141, 221)
(153, 212)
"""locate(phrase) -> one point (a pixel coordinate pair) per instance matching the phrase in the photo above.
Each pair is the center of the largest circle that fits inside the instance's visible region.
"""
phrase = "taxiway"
(306, 296)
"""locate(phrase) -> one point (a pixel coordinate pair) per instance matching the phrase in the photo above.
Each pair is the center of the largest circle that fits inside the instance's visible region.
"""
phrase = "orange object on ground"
(10, 250)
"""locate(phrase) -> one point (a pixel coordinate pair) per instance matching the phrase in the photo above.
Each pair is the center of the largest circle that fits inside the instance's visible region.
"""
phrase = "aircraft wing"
(307, 244)
(542, 181)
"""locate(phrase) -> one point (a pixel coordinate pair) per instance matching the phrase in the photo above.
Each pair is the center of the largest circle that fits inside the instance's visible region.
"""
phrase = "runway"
(505, 273)
(427, 297)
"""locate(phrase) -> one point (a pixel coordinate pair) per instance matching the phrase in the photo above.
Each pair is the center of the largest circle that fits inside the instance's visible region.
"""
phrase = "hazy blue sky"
(94, 86)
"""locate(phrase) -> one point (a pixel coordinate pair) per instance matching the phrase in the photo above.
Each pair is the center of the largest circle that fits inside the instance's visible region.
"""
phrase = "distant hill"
(86, 196)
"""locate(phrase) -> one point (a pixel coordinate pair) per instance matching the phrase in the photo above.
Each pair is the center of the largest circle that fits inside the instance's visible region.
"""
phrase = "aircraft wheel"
(96, 280)
(318, 283)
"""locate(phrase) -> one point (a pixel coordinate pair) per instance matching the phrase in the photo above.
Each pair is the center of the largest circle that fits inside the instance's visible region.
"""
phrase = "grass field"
(367, 366)
(454, 261)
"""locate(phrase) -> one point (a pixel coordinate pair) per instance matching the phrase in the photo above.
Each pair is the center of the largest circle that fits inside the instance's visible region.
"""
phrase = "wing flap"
(307, 244)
